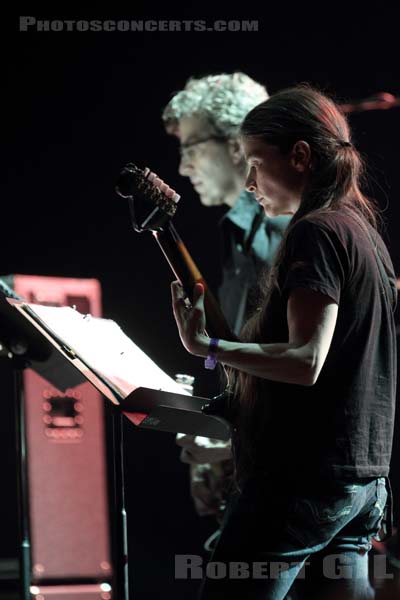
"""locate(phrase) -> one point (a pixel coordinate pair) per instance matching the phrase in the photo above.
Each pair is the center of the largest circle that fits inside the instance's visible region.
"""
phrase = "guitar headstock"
(150, 198)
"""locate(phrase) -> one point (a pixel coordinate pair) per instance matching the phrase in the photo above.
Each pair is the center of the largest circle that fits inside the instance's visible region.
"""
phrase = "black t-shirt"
(342, 426)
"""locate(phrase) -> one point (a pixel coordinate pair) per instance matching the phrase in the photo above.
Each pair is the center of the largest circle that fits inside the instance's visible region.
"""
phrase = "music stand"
(136, 387)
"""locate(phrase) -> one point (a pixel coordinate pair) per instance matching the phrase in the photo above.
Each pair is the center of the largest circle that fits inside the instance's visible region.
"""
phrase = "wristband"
(211, 360)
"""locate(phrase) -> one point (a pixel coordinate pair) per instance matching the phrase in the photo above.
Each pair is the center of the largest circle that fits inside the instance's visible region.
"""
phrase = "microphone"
(379, 101)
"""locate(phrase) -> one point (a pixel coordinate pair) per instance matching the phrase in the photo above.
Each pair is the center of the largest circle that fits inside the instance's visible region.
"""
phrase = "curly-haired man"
(206, 116)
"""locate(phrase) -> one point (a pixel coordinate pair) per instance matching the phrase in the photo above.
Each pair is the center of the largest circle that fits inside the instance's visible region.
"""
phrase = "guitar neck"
(188, 274)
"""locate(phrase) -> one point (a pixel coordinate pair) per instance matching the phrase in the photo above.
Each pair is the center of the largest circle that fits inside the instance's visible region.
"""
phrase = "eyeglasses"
(188, 151)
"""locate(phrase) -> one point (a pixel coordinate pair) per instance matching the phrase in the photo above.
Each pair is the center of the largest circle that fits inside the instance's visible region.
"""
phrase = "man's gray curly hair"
(224, 100)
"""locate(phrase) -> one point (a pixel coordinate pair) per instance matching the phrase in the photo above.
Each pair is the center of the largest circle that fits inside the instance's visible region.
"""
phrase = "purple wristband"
(211, 361)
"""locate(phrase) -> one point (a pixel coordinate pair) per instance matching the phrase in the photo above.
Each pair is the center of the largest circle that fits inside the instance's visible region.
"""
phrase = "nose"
(185, 166)
(250, 183)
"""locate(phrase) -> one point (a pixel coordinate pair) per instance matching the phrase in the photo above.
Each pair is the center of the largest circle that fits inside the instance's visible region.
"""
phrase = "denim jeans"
(269, 537)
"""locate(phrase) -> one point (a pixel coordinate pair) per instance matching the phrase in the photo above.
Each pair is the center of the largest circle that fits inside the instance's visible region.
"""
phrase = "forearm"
(284, 362)
(311, 319)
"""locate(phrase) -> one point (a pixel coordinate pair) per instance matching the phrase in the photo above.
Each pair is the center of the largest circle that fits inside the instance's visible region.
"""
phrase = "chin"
(207, 201)
(270, 211)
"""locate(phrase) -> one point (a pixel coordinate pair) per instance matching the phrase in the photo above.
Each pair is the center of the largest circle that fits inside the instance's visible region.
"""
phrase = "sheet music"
(103, 345)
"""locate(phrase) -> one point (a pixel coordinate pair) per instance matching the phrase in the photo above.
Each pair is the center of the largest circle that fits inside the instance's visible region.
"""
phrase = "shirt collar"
(245, 209)
(243, 212)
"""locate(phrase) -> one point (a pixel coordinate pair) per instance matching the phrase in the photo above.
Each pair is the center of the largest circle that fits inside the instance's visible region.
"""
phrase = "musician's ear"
(235, 151)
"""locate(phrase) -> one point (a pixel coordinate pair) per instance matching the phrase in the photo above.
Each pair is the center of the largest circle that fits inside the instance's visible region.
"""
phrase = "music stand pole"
(119, 529)
(22, 489)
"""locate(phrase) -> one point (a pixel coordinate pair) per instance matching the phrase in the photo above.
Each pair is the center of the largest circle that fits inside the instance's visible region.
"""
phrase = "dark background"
(78, 106)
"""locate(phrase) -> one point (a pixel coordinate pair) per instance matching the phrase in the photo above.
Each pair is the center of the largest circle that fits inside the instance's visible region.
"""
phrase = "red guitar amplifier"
(66, 459)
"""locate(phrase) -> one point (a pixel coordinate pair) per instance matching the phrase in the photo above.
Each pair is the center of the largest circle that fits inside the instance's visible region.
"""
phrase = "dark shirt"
(342, 426)
(242, 262)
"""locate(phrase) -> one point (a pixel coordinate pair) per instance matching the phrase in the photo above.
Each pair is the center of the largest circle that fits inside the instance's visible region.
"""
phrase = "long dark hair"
(300, 113)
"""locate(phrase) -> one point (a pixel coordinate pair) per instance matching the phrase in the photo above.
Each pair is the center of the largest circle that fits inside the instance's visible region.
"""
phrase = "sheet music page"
(104, 346)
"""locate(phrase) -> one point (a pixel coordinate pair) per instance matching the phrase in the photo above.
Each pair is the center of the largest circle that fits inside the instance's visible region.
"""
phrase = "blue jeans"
(269, 539)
